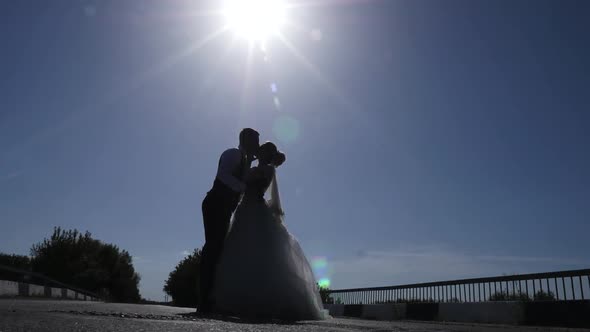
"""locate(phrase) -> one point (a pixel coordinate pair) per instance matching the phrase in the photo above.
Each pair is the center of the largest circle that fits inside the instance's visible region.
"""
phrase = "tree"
(74, 258)
(182, 283)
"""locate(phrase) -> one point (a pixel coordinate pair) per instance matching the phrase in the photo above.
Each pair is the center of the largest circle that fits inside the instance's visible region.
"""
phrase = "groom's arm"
(229, 161)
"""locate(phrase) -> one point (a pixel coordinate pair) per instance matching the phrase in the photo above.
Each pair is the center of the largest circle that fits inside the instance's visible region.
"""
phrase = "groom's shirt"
(231, 163)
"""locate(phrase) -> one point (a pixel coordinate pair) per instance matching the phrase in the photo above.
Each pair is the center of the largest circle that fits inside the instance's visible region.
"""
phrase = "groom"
(218, 206)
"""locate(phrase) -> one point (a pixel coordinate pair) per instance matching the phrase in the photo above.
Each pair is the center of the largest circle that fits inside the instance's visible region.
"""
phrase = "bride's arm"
(259, 172)
(251, 174)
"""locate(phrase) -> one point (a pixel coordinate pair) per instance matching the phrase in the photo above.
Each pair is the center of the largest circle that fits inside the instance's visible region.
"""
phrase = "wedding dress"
(263, 271)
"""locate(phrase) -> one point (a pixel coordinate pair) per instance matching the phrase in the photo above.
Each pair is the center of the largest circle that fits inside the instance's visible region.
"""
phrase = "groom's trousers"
(217, 211)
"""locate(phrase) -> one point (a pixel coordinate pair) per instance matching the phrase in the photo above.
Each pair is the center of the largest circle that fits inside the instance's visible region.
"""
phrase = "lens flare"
(324, 283)
(277, 103)
(321, 271)
(286, 129)
(319, 263)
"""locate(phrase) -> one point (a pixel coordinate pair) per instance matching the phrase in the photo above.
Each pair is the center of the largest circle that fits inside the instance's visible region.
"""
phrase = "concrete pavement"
(50, 315)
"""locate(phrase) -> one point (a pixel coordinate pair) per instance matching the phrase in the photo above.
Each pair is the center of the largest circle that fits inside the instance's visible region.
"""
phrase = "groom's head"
(249, 140)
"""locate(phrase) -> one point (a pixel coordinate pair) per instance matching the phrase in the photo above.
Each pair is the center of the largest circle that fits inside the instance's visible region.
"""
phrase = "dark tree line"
(79, 260)
(16, 261)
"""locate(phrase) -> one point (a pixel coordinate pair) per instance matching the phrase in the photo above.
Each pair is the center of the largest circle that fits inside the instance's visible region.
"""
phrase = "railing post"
(507, 288)
(573, 289)
(464, 299)
(581, 287)
(479, 292)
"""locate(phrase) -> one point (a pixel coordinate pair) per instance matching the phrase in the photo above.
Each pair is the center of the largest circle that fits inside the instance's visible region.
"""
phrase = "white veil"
(275, 200)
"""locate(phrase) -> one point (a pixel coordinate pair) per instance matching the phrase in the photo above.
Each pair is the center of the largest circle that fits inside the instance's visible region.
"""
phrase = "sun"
(255, 20)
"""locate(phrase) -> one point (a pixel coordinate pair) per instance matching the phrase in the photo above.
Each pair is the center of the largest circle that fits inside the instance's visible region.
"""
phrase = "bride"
(262, 272)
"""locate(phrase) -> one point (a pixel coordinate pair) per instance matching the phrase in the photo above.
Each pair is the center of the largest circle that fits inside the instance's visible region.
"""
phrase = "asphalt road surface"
(48, 315)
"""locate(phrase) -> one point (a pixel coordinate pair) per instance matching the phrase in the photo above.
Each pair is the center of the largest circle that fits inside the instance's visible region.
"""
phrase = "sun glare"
(255, 20)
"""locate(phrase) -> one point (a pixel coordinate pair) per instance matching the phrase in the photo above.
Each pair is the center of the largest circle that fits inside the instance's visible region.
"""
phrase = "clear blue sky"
(425, 140)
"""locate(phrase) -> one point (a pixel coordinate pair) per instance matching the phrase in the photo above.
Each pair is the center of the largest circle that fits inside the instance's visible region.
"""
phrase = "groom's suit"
(218, 207)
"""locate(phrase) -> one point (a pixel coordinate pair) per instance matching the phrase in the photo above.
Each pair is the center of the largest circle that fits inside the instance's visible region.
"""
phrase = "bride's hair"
(279, 159)
(269, 154)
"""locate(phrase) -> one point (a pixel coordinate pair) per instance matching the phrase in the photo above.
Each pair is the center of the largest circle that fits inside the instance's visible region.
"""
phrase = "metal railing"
(556, 286)
(13, 274)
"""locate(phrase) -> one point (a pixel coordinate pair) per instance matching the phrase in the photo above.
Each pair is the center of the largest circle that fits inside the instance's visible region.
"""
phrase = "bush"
(507, 296)
(183, 281)
(520, 296)
(81, 261)
(544, 296)
(325, 295)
